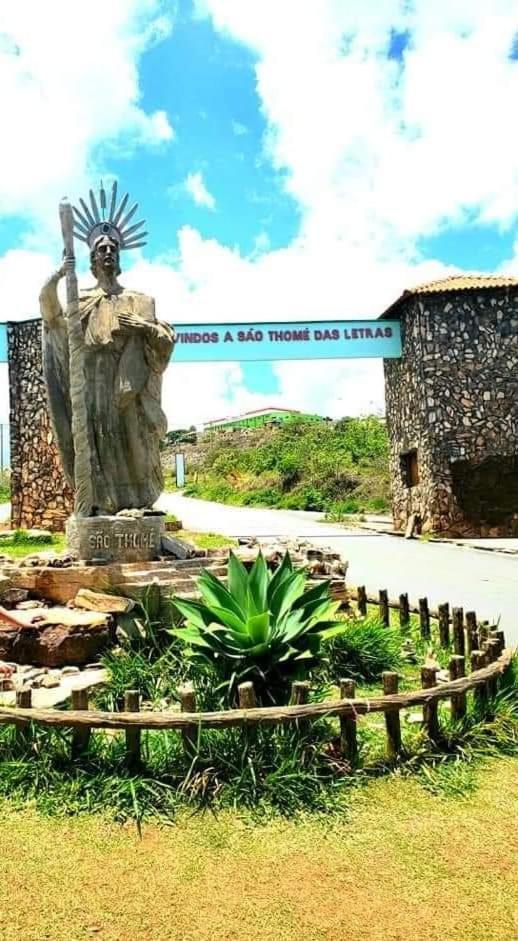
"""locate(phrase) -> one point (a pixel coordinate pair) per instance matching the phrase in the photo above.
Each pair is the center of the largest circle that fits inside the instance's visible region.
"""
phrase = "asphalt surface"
(485, 582)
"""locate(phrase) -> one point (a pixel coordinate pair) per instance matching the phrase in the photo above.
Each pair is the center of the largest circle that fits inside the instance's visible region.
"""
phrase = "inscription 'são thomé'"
(106, 540)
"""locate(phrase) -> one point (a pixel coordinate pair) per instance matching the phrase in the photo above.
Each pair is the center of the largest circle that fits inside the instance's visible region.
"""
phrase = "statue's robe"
(123, 381)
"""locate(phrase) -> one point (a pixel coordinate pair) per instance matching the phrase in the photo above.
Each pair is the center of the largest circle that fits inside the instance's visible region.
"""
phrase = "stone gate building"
(452, 407)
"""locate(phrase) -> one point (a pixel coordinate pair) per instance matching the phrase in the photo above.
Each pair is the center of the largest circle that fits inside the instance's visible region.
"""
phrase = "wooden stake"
(430, 710)
(500, 637)
(362, 600)
(392, 718)
(444, 625)
(493, 652)
(404, 610)
(133, 736)
(348, 736)
(459, 645)
(247, 697)
(188, 704)
(483, 634)
(458, 702)
(299, 692)
(23, 700)
(424, 618)
(478, 660)
(471, 632)
(299, 697)
(80, 736)
(384, 610)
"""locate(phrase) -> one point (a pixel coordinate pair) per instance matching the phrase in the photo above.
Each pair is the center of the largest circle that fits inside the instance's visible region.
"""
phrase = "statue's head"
(104, 257)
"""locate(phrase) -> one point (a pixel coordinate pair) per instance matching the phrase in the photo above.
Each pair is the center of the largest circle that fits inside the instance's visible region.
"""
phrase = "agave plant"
(263, 626)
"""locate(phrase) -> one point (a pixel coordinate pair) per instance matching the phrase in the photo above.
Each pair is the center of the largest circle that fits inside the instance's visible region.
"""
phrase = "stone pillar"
(40, 496)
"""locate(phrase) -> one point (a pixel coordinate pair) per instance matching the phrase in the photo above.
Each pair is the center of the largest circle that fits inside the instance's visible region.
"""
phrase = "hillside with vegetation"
(337, 467)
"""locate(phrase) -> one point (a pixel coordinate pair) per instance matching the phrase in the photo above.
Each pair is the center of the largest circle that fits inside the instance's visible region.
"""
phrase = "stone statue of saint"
(124, 352)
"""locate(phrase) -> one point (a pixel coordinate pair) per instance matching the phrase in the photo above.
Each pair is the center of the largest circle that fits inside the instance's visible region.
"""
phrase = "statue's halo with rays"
(91, 222)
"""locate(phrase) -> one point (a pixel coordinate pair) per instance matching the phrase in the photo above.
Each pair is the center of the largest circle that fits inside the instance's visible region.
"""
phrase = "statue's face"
(106, 256)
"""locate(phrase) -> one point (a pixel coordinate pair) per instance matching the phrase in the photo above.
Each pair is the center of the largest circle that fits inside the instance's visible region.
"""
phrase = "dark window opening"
(487, 492)
(410, 468)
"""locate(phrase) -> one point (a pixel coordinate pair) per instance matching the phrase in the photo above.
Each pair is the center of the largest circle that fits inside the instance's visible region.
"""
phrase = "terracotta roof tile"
(463, 282)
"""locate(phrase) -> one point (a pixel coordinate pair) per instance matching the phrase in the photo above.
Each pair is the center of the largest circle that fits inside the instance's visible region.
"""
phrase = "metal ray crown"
(92, 221)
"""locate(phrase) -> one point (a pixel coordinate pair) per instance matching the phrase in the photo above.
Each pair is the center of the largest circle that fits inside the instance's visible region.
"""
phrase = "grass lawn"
(18, 545)
(206, 540)
(402, 865)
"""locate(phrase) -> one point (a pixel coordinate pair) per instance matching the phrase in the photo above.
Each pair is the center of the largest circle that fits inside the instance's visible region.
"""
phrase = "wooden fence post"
(133, 735)
(299, 693)
(80, 736)
(483, 634)
(23, 699)
(300, 690)
(384, 610)
(348, 736)
(404, 610)
(424, 618)
(247, 697)
(444, 625)
(478, 661)
(471, 632)
(500, 637)
(392, 718)
(430, 710)
(188, 704)
(493, 653)
(459, 644)
(362, 600)
(458, 701)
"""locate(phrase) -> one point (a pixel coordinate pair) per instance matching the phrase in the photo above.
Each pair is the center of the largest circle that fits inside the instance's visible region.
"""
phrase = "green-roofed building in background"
(259, 418)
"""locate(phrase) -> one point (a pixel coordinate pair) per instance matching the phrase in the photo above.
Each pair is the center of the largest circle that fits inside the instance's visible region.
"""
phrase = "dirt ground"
(403, 865)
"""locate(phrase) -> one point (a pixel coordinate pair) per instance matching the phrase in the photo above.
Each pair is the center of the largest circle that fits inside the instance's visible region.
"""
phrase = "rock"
(30, 605)
(172, 526)
(49, 682)
(97, 601)
(65, 638)
(179, 548)
(70, 671)
(317, 569)
(13, 596)
(38, 558)
(118, 538)
(339, 568)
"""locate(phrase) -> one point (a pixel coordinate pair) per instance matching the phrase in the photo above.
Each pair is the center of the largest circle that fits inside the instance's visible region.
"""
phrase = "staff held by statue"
(82, 454)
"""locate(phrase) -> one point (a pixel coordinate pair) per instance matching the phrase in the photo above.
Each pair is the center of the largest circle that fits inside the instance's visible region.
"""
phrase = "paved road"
(486, 582)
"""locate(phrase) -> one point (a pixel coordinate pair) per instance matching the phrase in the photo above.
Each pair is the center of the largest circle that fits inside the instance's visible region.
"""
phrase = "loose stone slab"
(115, 538)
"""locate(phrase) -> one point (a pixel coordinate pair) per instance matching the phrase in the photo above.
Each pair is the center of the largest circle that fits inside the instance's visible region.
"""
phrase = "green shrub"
(299, 465)
(363, 650)
(265, 627)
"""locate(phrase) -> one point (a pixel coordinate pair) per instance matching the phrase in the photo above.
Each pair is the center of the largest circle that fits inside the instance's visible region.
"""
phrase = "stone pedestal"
(116, 538)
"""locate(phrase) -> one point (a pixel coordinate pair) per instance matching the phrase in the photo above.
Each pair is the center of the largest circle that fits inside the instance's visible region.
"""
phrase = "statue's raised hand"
(68, 264)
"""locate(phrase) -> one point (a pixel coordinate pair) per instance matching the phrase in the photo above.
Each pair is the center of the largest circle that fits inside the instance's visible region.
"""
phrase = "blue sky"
(292, 161)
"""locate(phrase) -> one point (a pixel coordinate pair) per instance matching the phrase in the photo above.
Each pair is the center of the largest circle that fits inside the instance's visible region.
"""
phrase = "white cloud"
(239, 129)
(69, 80)
(197, 189)
(371, 146)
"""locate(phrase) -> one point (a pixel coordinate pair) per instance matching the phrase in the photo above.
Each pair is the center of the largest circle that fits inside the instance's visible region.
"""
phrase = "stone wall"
(39, 495)
(453, 396)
